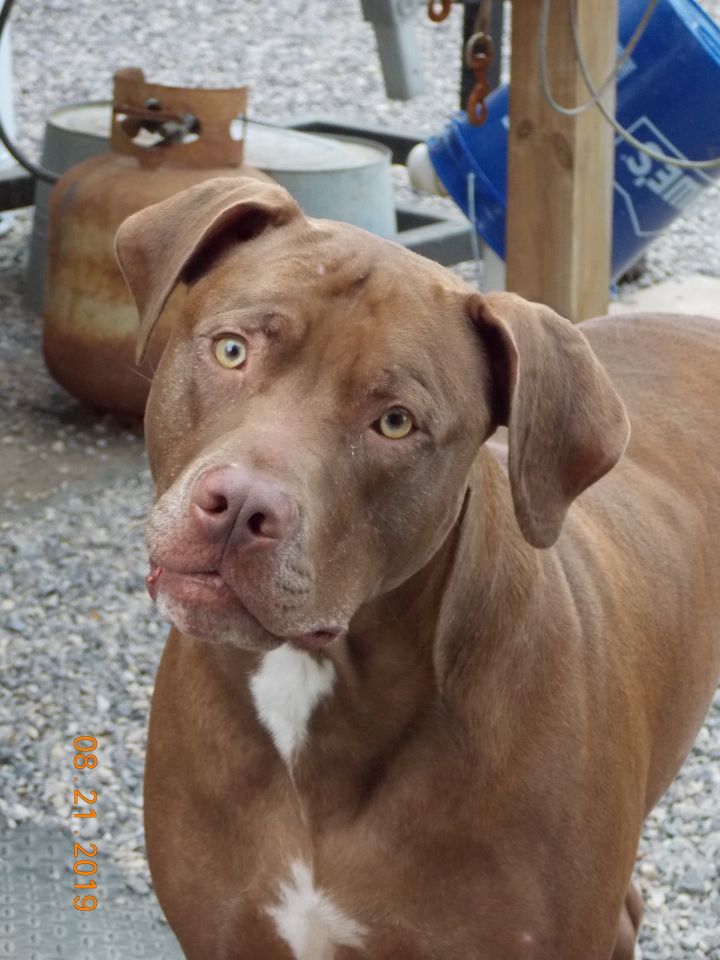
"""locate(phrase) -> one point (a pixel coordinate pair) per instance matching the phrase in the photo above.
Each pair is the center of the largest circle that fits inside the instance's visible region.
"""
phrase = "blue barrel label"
(648, 187)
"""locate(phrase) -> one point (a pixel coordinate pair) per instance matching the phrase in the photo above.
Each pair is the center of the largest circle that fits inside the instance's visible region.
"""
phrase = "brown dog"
(417, 736)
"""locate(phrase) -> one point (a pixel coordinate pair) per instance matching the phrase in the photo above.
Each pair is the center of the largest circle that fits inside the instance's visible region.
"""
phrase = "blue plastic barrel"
(668, 97)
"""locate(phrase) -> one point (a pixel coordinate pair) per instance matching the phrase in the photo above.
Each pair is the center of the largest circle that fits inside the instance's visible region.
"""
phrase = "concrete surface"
(698, 294)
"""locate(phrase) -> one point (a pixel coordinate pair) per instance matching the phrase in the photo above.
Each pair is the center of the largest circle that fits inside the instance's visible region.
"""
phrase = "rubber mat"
(37, 917)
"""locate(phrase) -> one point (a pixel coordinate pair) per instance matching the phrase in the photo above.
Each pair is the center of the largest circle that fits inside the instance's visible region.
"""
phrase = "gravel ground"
(79, 641)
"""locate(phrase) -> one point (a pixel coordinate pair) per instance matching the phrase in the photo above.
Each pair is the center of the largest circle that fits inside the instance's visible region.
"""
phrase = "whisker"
(137, 372)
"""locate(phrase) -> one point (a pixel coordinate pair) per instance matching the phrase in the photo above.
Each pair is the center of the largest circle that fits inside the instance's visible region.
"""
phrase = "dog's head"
(316, 413)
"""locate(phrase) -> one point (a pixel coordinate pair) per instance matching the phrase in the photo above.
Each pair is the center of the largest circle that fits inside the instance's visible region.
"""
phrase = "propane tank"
(162, 140)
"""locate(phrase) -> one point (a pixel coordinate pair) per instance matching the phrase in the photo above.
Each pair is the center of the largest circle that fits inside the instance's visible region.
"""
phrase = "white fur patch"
(309, 922)
(286, 689)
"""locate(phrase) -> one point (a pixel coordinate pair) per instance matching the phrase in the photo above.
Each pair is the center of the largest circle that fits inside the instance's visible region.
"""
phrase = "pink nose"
(244, 507)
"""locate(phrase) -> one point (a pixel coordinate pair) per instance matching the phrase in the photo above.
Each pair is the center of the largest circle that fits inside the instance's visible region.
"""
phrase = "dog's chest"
(286, 689)
(308, 920)
(304, 850)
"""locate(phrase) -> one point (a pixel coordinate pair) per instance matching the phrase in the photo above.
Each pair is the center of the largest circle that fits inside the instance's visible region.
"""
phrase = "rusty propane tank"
(163, 139)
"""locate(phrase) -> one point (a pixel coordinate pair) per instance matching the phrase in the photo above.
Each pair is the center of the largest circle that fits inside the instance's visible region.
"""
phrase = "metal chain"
(479, 52)
(479, 57)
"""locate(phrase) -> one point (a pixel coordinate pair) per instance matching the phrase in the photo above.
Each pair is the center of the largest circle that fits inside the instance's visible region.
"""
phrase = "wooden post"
(560, 169)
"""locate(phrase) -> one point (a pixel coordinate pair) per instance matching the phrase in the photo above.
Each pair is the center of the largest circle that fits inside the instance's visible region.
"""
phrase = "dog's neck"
(488, 584)
(455, 609)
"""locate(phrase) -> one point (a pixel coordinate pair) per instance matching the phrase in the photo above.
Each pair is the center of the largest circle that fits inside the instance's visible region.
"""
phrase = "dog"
(443, 628)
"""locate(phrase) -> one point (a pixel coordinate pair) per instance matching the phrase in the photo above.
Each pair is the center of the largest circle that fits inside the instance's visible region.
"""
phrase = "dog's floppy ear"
(567, 426)
(155, 245)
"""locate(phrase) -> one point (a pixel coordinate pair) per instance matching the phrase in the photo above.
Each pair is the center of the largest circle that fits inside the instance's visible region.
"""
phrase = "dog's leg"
(630, 919)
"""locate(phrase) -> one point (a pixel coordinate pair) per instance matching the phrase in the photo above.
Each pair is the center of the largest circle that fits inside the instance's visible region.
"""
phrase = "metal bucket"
(340, 178)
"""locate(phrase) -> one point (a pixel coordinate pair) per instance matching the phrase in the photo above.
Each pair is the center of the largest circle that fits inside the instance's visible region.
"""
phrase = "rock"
(693, 882)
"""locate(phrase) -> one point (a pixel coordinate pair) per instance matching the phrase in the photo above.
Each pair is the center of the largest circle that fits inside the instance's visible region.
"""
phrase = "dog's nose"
(229, 502)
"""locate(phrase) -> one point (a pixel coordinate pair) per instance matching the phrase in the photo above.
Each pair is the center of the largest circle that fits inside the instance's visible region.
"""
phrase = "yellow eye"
(395, 423)
(230, 353)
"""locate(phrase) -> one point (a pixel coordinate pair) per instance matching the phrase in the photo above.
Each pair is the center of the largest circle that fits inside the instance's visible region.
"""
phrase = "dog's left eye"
(395, 423)
(230, 353)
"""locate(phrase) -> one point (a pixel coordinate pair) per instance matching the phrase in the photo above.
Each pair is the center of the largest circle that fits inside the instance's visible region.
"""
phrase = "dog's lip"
(151, 580)
(210, 578)
(311, 641)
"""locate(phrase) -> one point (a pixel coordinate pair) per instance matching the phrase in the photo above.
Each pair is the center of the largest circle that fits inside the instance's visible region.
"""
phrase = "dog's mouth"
(209, 589)
(174, 581)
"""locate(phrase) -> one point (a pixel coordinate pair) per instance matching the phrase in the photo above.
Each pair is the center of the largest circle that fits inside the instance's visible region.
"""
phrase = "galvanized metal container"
(340, 178)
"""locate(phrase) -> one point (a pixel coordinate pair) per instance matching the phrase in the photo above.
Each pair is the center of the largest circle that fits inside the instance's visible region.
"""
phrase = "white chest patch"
(286, 689)
(309, 922)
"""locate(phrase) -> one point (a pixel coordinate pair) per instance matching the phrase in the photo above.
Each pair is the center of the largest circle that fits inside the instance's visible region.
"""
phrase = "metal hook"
(477, 108)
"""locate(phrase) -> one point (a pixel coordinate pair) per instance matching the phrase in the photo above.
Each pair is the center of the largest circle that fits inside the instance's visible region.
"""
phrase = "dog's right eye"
(230, 352)
(395, 423)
